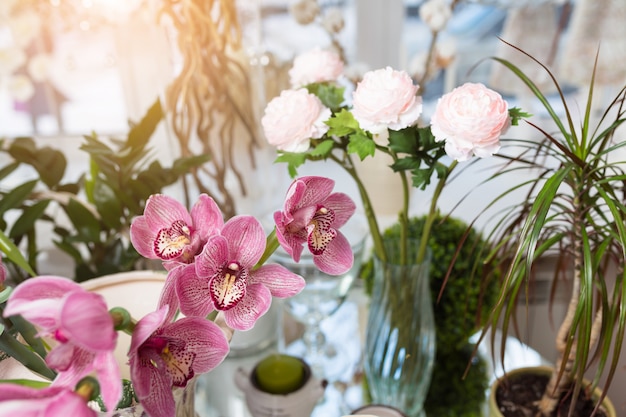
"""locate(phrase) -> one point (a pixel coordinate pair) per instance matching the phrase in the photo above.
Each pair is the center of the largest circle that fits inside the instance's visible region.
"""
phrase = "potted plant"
(96, 209)
(574, 209)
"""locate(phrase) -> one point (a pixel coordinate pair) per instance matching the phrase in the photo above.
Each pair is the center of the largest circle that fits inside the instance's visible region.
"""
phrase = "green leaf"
(4, 294)
(293, 160)
(403, 141)
(323, 148)
(26, 383)
(516, 114)
(140, 134)
(16, 196)
(342, 124)
(405, 164)
(331, 95)
(421, 177)
(85, 222)
(362, 145)
(49, 163)
(26, 221)
(108, 204)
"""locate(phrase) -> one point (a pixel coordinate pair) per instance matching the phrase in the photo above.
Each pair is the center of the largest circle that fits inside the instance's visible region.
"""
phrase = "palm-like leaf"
(574, 207)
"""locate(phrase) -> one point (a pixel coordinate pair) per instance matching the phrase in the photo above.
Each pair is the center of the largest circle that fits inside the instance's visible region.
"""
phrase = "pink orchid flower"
(224, 278)
(163, 355)
(18, 400)
(80, 323)
(169, 232)
(313, 214)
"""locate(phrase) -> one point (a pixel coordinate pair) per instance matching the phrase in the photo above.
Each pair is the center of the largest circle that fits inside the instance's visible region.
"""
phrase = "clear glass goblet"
(321, 298)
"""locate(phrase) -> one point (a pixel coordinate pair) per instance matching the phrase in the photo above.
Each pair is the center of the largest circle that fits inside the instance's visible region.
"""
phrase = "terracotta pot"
(541, 370)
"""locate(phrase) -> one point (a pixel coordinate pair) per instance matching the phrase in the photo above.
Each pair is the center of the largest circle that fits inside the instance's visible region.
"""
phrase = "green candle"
(280, 374)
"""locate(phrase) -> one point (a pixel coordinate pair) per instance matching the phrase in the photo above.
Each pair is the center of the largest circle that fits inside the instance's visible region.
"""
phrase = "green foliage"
(572, 207)
(452, 393)
(99, 206)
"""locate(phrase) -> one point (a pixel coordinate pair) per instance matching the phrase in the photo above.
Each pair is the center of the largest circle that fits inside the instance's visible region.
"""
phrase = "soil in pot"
(517, 395)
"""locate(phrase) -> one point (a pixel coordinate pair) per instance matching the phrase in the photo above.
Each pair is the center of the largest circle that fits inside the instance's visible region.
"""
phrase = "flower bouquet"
(217, 277)
(317, 120)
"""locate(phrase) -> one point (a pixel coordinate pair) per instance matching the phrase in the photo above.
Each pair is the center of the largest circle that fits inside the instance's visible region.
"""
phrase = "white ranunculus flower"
(386, 99)
(21, 88)
(25, 27)
(11, 58)
(333, 20)
(435, 13)
(304, 11)
(39, 67)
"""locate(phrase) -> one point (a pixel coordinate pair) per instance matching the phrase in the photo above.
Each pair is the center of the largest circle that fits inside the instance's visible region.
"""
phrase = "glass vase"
(400, 337)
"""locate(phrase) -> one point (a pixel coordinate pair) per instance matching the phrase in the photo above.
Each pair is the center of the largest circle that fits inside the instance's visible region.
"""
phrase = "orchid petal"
(109, 377)
(36, 299)
(206, 216)
(213, 257)
(168, 293)
(204, 338)
(142, 238)
(337, 259)
(228, 287)
(162, 211)
(193, 292)
(85, 320)
(317, 189)
(158, 399)
(146, 326)
(61, 357)
(246, 240)
(18, 400)
(256, 303)
(343, 207)
(281, 282)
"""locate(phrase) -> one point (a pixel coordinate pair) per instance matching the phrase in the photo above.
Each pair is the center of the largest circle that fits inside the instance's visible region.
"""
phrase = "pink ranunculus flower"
(169, 232)
(164, 355)
(18, 400)
(225, 279)
(314, 66)
(386, 99)
(313, 214)
(292, 119)
(79, 322)
(470, 119)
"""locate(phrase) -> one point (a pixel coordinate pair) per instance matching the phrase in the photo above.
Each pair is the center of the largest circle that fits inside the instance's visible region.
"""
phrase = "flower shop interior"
(106, 103)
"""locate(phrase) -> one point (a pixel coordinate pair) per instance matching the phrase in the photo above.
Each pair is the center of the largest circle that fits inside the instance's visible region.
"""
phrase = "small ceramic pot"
(376, 410)
(494, 411)
(295, 404)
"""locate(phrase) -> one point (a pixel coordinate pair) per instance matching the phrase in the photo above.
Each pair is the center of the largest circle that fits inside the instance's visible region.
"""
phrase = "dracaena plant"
(217, 276)
(574, 208)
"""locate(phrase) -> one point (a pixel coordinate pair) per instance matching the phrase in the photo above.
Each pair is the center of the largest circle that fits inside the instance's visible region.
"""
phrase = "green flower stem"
(404, 214)
(271, 245)
(25, 356)
(432, 213)
(370, 215)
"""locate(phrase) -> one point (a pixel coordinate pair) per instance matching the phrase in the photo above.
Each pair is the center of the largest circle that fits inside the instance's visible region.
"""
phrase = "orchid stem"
(271, 245)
